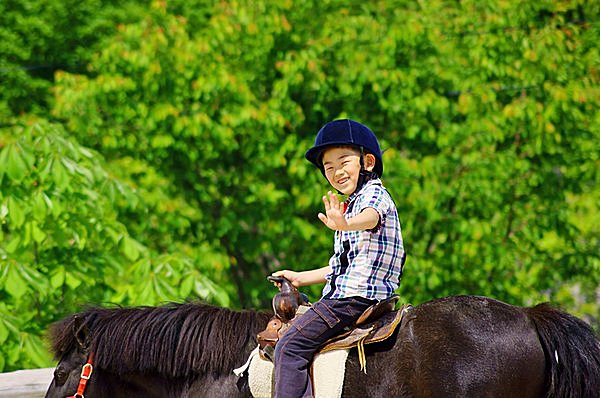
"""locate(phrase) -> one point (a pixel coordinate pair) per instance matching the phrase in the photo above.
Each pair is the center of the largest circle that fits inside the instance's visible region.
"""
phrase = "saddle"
(376, 324)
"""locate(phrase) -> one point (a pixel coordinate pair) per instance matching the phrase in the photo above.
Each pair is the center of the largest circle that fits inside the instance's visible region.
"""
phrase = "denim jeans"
(296, 348)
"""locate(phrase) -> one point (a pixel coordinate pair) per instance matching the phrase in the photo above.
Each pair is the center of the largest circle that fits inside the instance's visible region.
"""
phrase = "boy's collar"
(366, 184)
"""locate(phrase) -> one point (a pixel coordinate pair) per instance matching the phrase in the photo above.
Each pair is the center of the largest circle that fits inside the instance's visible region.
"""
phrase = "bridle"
(86, 372)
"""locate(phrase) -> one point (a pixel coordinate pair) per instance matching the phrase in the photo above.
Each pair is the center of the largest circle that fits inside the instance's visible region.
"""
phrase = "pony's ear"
(81, 332)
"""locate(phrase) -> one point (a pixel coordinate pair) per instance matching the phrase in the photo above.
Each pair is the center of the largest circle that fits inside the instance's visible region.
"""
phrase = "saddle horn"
(286, 302)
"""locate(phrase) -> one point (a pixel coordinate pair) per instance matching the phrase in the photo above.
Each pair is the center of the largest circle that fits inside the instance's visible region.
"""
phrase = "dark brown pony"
(461, 346)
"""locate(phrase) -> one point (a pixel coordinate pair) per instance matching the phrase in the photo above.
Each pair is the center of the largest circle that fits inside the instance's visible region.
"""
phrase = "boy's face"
(342, 167)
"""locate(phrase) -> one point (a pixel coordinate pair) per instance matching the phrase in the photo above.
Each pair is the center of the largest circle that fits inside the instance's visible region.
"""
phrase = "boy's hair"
(341, 133)
(343, 146)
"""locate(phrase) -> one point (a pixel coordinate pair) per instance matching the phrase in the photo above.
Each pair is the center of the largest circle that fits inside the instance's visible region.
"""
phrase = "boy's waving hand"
(334, 213)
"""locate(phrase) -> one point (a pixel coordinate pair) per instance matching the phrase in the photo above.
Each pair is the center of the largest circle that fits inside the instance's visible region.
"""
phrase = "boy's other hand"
(334, 213)
(292, 276)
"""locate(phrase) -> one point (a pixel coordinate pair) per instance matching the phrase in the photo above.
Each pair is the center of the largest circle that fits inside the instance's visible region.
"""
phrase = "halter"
(86, 372)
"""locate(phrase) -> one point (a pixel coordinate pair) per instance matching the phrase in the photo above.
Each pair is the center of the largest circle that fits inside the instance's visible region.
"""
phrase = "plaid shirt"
(367, 263)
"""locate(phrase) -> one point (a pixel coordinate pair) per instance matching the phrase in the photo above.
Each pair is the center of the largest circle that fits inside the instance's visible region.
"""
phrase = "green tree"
(195, 112)
(64, 246)
(475, 122)
(38, 38)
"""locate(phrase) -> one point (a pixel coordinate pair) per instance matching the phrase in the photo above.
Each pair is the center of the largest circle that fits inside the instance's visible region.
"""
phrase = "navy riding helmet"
(345, 132)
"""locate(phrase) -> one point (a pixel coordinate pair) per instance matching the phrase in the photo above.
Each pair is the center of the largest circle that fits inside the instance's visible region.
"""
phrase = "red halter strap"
(86, 372)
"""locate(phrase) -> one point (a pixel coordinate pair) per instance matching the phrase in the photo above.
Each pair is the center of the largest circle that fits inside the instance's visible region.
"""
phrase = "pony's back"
(476, 346)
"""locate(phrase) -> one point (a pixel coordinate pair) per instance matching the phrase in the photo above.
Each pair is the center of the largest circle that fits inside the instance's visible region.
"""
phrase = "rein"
(86, 372)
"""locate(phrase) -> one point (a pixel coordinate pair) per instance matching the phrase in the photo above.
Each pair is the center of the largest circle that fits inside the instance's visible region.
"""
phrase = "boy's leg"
(296, 348)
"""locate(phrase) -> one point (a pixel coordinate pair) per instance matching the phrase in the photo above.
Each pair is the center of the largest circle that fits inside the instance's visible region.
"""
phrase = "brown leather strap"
(377, 310)
(371, 332)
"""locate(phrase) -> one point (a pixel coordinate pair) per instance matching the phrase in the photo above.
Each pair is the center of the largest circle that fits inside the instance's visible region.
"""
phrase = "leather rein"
(86, 373)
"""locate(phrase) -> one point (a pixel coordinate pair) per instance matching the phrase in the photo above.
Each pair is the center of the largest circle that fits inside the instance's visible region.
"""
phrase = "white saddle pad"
(328, 370)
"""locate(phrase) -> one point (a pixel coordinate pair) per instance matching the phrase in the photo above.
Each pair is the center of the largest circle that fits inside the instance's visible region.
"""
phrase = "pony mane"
(174, 340)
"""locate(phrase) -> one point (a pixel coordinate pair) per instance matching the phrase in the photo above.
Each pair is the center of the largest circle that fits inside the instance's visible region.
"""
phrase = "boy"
(368, 252)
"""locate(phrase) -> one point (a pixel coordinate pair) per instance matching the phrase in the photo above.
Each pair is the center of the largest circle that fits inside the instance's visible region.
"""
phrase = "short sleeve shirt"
(367, 263)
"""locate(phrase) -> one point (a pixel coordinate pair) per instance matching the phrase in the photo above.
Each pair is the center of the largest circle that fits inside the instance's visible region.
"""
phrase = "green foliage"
(39, 37)
(195, 113)
(63, 244)
(59, 233)
(178, 171)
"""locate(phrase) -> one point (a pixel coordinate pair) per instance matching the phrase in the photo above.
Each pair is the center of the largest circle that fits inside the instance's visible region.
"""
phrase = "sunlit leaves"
(191, 112)
(63, 242)
(476, 103)
(40, 37)
(167, 278)
(15, 162)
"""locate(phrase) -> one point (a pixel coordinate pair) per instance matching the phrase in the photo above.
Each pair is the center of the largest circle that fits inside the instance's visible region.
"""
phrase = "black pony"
(462, 346)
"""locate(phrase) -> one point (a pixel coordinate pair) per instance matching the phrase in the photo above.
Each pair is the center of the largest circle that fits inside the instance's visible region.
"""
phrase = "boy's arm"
(366, 219)
(304, 278)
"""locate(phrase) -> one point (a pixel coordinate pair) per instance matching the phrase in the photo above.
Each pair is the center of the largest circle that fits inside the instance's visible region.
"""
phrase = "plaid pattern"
(367, 263)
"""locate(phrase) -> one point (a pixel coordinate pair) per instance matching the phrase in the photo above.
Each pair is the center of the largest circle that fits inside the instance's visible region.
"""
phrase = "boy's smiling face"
(342, 167)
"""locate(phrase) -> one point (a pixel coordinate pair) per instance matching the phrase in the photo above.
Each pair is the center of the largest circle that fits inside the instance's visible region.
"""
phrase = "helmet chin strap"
(364, 175)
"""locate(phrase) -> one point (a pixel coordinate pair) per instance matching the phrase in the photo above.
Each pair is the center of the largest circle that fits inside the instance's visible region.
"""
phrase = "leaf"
(16, 212)
(36, 352)
(3, 161)
(39, 206)
(186, 286)
(16, 166)
(15, 285)
(207, 289)
(13, 353)
(162, 288)
(60, 175)
(36, 233)
(129, 248)
(3, 332)
(72, 281)
(47, 201)
(57, 278)
(14, 244)
(162, 141)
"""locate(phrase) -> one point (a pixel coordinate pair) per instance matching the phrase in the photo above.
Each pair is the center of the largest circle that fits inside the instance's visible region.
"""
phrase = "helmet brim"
(313, 155)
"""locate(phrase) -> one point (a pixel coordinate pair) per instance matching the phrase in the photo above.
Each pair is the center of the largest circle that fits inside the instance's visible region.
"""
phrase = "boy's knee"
(286, 341)
(278, 350)
(279, 347)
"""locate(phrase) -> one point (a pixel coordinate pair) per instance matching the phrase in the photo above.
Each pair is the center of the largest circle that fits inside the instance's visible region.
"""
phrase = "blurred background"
(152, 151)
